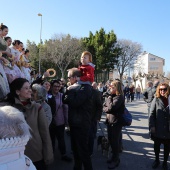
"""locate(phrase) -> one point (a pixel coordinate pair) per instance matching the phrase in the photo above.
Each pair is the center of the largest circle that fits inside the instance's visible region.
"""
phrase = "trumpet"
(51, 70)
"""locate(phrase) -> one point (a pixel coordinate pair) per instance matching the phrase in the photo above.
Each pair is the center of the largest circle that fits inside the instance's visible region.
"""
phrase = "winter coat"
(47, 111)
(115, 105)
(79, 100)
(97, 107)
(59, 110)
(160, 119)
(87, 72)
(12, 154)
(39, 147)
(149, 95)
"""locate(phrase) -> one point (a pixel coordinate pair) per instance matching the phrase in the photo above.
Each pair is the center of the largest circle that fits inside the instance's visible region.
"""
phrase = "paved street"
(138, 149)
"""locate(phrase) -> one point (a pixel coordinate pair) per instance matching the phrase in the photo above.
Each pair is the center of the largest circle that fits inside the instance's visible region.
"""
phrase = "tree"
(134, 78)
(62, 50)
(101, 45)
(34, 53)
(127, 52)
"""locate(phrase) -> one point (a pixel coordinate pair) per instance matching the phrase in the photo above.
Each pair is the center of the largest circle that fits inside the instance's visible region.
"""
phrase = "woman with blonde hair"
(159, 123)
(114, 108)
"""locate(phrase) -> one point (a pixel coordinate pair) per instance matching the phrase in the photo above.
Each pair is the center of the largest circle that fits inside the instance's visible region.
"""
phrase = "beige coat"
(39, 147)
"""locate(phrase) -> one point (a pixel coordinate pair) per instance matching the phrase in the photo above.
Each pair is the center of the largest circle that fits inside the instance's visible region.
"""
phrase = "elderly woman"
(114, 107)
(159, 123)
(39, 96)
(39, 148)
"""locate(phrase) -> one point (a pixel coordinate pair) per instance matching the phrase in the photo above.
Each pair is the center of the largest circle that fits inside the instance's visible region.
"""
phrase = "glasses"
(69, 77)
(56, 86)
(165, 89)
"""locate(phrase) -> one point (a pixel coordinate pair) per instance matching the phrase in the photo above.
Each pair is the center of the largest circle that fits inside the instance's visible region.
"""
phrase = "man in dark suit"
(79, 100)
(97, 109)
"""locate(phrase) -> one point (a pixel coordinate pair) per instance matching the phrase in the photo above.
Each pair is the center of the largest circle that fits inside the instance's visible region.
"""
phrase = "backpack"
(127, 117)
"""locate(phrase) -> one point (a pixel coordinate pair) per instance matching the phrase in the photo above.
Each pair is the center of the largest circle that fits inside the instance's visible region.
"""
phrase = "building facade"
(148, 64)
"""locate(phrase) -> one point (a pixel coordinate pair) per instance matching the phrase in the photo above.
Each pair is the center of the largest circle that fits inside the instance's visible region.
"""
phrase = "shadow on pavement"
(138, 148)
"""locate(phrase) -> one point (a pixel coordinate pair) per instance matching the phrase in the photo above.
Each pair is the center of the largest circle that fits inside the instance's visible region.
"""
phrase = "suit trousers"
(79, 143)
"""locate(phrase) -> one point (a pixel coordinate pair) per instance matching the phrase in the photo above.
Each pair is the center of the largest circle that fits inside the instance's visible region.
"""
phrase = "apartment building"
(148, 63)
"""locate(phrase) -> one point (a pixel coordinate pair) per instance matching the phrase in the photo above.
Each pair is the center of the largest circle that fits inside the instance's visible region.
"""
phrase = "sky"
(143, 21)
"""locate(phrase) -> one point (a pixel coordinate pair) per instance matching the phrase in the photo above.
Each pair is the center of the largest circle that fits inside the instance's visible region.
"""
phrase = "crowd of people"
(14, 61)
(48, 107)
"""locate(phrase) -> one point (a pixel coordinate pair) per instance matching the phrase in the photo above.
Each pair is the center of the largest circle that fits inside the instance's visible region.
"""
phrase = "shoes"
(164, 166)
(113, 165)
(155, 164)
(66, 158)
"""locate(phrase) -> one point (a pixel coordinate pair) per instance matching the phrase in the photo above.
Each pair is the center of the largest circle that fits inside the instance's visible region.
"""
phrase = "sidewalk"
(138, 148)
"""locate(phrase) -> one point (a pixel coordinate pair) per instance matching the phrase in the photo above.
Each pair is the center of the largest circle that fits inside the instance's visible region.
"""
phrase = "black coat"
(115, 105)
(52, 104)
(97, 107)
(79, 100)
(159, 118)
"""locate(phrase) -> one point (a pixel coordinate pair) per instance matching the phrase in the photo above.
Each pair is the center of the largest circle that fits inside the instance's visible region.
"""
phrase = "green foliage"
(101, 45)
(34, 54)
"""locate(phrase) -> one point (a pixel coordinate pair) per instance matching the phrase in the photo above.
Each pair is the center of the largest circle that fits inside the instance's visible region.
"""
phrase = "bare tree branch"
(128, 54)
(62, 50)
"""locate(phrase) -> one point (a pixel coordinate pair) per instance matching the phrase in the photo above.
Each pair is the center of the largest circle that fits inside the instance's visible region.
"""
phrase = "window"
(154, 68)
(152, 59)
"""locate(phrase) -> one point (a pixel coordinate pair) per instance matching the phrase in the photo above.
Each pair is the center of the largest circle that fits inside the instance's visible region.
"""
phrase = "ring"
(51, 70)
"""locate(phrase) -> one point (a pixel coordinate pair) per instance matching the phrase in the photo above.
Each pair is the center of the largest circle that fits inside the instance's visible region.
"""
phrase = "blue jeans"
(138, 95)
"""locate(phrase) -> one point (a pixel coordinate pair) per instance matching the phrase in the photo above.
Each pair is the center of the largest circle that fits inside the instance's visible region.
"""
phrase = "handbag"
(127, 118)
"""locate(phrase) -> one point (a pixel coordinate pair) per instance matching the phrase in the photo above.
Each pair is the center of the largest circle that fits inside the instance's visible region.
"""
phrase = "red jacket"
(87, 72)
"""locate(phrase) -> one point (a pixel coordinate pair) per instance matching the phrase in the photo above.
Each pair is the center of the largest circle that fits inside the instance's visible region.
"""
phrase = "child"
(86, 68)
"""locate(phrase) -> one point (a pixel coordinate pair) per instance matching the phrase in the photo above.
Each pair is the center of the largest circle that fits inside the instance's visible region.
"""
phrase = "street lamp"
(40, 15)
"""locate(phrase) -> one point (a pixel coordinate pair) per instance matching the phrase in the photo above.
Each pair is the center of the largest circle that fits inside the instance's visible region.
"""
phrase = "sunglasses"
(165, 89)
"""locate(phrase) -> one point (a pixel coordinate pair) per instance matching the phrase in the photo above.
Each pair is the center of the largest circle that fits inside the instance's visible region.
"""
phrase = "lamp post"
(40, 15)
